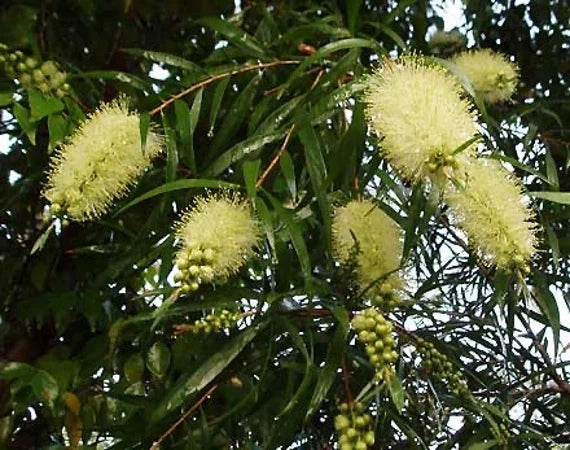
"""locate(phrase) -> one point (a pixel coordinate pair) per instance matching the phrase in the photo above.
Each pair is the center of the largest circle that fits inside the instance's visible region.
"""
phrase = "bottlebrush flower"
(492, 75)
(366, 235)
(99, 164)
(418, 110)
(490, 209)
(217, 236)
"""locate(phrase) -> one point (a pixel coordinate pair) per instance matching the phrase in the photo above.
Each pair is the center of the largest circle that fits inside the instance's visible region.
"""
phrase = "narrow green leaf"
(548, 306)
(171, 150)
(551, 171)
(288, 171)
(175, 186)
(236, 115)
(557, 197)
(235, 35)
(343, 44)
(240, 151)
(397, 393)
(296, 237)
(250, 173)
(327, 373)
(317, 171)
(12, 369)
(266, 222)
(144, 124)
(131, 80)
(352, 11)
(41, 241)
(184, 128)
(219, 91)
(207, 372)
(164, 58)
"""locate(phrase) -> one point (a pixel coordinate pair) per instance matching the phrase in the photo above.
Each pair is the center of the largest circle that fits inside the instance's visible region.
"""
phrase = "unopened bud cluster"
(386, 296)
(194, 265)
(502, 434)
(353, 427)
(217, 321)
(376, 333)
(439, 161)
(437, 364)
(45, 77)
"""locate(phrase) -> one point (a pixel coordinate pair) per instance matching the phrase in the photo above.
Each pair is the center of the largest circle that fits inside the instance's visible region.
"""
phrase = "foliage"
(267, 100)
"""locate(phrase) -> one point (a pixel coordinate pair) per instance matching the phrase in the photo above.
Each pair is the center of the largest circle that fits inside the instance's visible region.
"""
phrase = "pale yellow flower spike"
(491, 211)
(101, 161)
(216, 236)
(419, 111)
(492, 75)
(363, 231)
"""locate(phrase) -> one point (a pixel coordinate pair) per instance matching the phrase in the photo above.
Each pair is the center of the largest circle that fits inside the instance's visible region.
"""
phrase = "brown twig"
(276, 158)
(156, 445)
(214, 78)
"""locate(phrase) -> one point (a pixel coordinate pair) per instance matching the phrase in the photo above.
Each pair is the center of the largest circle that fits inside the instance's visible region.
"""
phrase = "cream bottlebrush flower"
(490, 209)
(366, 233)
(419, 111)
(492, 75)
(216, 236)
(101, 161)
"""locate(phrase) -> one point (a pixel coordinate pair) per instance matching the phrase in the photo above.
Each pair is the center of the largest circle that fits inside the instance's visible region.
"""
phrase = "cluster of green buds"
(437, 364)
(501, 434)
(194, 265)
(376, 333)
(354, 429)
(217, 321)
(386, 297)
(439, 160)
(45, 77)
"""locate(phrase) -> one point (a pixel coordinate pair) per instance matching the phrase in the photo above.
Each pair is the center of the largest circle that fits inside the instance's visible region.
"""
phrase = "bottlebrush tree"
(284, 224)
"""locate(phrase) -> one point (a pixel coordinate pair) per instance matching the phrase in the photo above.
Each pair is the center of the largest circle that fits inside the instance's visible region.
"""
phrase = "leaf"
(250, 173)
(177, 185)
(352, 11)
(548, 305)
(22, 115)
(184, 127)
(45, 387)
(43, 105)
(236, 115)
(57, 126)
(164, 58)
(557, 197)
(134, 368)
(551, 171)
(217, 101)
(343, 44)
(240, 151)
(397, 393)
(6, 98)
(41, 241)
(317, 171)
(113, 75)
(144, 124)
(158, 359)
(235, 35)
(171, 149)
(296, 238)
(12, 369)
(519, 165)
(288, 171)
(327, 374)
(207, 372)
